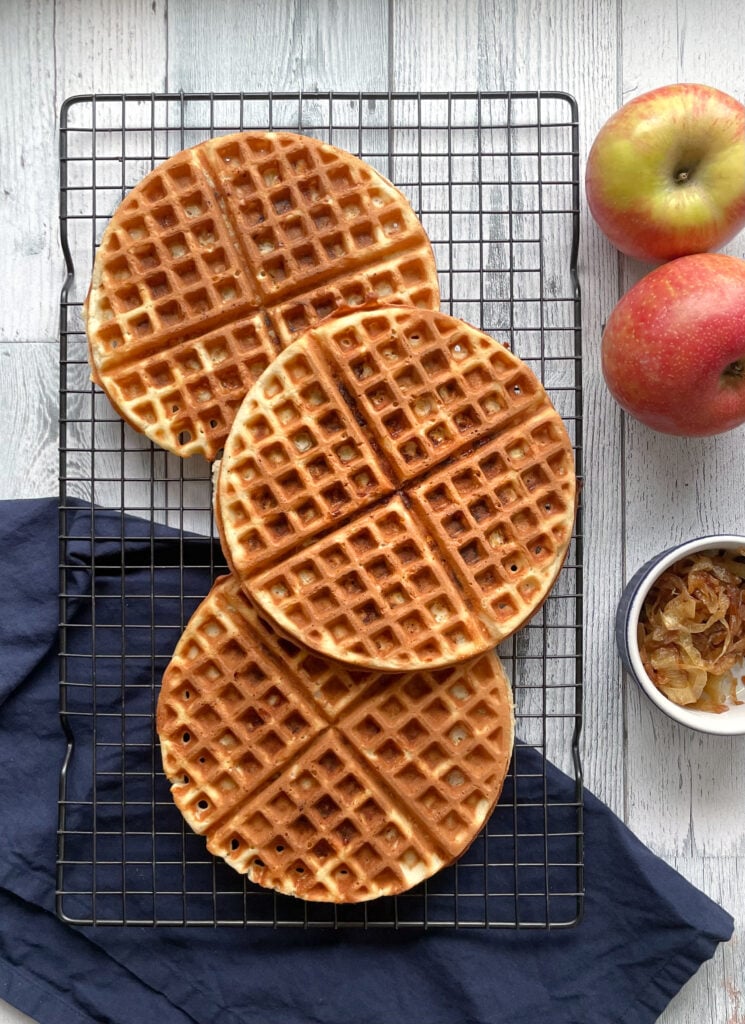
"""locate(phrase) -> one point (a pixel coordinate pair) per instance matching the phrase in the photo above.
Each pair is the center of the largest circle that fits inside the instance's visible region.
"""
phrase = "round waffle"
(220, 256)
(397, 490)
(317, 782)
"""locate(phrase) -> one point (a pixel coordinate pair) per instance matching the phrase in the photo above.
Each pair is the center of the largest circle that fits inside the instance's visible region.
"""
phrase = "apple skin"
(665, 175)
(673, 349)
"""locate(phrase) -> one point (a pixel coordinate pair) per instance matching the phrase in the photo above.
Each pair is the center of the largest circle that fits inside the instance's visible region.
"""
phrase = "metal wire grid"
(495, 180)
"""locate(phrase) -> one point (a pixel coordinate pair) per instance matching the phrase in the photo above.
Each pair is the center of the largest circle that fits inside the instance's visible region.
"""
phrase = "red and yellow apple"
(666, 174)
(673, 349)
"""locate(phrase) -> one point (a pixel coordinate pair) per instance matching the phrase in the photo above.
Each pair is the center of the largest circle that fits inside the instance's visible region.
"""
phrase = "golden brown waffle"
(220, 256)
(397, 490)
(318, 782)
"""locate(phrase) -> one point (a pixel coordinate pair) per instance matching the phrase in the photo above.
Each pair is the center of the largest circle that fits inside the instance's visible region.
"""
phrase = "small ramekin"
(730, 722)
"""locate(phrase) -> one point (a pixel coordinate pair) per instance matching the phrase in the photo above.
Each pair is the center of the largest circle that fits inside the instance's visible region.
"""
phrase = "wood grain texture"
(685, 791)
(681, 793)
(716, 994)
(699, 480)
(344, 45)
(29, 256)
(120, 49)
(436, 45)
(29, 385)
(215, 46)
(50, 51)
(326, 45)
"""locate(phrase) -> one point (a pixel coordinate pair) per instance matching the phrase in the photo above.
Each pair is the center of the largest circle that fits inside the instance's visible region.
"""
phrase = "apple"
(666, 174)
(673, 349)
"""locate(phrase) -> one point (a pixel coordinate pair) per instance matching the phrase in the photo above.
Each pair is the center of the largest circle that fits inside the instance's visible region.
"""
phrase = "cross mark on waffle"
(365, 786)
(167, 262)
(428, 387)
(296, 206)
(274, 230)
(377, 589)
(196, 390)
(468, 501)
(504, 517)
(291, 472)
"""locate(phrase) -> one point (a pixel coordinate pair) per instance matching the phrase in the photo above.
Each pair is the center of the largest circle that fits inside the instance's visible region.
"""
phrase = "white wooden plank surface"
(685, 792)
(109, 47)
(28, 177)
(681, 794)
(29, 383)
(716, 993)
(313, 46)
(214, 47)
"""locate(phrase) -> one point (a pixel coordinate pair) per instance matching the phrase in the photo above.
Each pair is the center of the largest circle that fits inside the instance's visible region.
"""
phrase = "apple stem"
(736, 369)
(681, 176)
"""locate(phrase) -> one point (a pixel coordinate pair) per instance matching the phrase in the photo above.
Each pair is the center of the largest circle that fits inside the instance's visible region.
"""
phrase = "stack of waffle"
(395, 496)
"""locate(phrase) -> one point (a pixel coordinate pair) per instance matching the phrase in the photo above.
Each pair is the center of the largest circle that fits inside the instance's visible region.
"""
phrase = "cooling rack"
(495, 180)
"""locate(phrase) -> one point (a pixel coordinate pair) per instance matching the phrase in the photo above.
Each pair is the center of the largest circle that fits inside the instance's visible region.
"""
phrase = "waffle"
(317, 782)
(219, 257)
(397, 490)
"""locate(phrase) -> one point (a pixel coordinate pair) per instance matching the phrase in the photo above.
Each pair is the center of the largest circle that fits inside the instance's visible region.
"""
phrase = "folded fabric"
(645, 930)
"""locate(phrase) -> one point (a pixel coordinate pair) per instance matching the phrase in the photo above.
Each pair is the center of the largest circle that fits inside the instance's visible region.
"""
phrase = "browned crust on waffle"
(322, 783)
(463, 543)
(263, 231)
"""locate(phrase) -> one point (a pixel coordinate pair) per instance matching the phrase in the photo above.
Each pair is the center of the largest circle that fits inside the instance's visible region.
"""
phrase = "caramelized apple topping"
(692, 630)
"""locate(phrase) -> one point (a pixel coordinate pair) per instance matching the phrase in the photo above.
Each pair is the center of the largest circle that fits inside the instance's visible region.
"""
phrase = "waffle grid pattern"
(167, 264)
(291, 471)
(428, 386)
(342, 800)
(527, 476)
(199, 386)
(271, 224)
(461, 428)
(505, 243)
(377, 591)
(296, 206)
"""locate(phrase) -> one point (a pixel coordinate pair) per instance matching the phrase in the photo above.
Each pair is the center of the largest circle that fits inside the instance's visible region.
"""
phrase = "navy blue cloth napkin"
(645, 930)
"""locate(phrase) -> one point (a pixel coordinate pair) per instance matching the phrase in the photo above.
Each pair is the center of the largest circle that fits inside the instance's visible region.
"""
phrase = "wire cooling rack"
(494, 178)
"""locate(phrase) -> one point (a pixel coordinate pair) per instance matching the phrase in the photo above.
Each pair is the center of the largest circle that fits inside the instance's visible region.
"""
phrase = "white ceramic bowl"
(730, 722)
